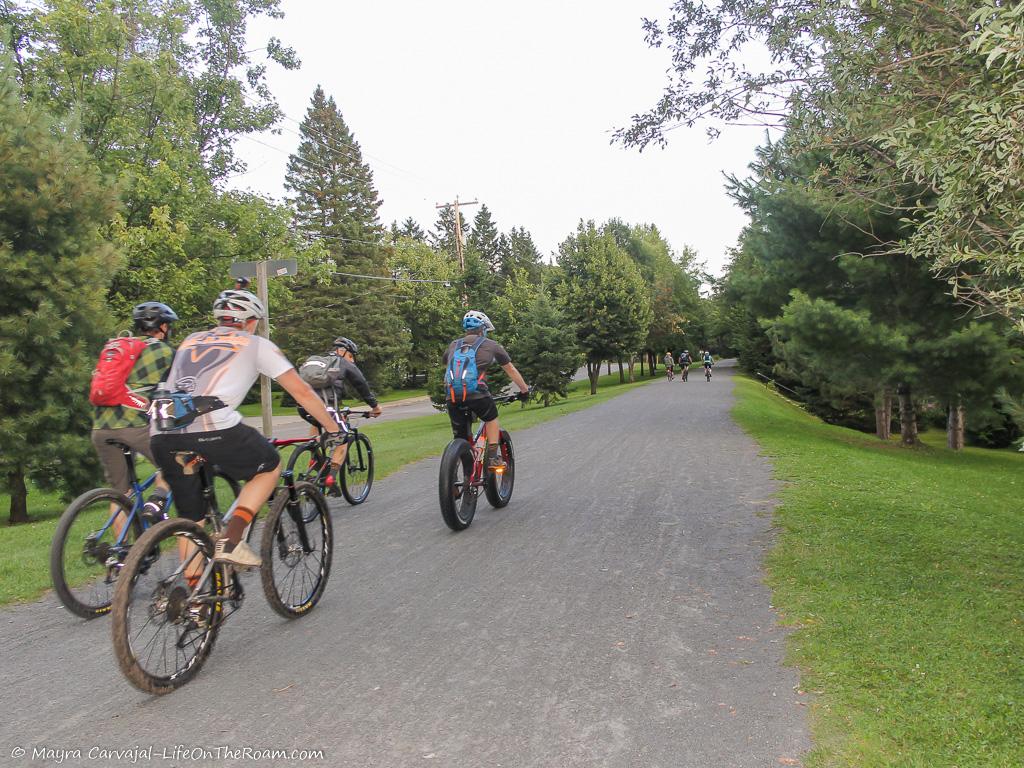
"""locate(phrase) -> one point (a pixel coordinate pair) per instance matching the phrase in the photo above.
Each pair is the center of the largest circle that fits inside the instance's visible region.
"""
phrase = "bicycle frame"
(135, 494)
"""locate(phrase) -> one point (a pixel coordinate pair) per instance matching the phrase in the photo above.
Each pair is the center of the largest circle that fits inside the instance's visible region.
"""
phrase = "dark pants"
(461, 415)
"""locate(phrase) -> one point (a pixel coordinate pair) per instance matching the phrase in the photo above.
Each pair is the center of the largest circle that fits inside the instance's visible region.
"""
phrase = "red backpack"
(110, 378)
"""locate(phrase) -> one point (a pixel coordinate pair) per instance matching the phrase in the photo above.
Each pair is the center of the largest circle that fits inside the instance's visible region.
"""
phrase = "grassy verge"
(24, 549)
(903, 571)
(253, 409)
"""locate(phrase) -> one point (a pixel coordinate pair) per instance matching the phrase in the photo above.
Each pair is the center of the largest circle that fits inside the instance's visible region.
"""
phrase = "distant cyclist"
(342, 374)
(684, 363)
(708, 361)
(128, 422)
(669, 361)
(468, 398)
(222, 363)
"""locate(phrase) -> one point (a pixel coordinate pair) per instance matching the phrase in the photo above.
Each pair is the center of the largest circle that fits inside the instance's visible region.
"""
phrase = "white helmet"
(238, 306)
(474, 319)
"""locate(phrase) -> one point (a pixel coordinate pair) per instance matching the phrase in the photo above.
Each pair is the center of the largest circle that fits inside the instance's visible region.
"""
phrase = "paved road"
(291, 425)
(612, 615)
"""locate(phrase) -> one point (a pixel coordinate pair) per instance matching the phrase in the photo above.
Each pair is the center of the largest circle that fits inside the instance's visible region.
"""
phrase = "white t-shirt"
(223, 362)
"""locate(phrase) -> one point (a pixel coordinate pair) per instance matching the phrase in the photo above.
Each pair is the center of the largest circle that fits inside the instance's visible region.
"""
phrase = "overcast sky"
(511, 104)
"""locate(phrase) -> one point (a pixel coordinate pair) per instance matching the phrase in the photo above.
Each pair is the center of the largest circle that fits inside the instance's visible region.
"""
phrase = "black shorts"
(461, 415)
(240, 452)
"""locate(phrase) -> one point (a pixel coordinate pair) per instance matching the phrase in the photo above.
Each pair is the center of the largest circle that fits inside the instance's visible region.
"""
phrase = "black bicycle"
(172, 598)
(95, 534)
(462, 475)
(354, 478)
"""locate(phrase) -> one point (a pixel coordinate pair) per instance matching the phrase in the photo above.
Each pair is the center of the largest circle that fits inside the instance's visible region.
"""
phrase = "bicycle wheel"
(499, 492)
(356, 474)
(304, 463)
(89, 548)
(297, 547)
(707, 374)
(457, 496)
(163, 633)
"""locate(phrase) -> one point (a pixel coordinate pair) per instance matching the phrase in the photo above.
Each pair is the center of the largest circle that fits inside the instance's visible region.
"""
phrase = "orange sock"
(239, 521)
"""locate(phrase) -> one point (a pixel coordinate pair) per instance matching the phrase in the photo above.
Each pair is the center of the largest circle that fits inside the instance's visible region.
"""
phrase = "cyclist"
(669, 361)
(684, 363)
(344, 371)
(477, 325)
(223, 363)
(131, 425)
(708, 360)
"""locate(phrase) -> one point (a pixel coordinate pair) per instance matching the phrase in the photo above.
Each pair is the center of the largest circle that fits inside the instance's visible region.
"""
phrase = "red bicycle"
(463, 475)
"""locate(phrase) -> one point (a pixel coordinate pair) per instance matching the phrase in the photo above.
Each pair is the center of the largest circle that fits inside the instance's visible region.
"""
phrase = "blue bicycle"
(94, 536)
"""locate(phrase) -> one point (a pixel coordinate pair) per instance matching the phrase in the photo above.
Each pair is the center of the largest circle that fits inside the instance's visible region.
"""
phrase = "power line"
(395, 278)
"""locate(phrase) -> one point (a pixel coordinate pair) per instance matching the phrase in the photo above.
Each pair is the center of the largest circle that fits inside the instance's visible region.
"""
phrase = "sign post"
(263, 271)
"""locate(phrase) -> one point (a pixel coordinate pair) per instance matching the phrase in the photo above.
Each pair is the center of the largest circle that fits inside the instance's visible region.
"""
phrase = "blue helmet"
(475, 320)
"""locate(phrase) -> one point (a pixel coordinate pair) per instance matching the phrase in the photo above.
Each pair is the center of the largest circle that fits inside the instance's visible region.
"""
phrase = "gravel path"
(613, 615)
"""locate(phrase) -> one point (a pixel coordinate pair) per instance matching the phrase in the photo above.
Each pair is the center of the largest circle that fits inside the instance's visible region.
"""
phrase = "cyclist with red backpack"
(467, 360)
(126, 373)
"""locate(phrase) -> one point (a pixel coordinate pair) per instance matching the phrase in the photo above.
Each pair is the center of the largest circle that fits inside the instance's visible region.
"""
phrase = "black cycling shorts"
(240, 452)
(461, 415)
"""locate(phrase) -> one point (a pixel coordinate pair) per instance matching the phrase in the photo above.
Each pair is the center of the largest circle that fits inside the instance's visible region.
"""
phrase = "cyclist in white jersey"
(223, 363)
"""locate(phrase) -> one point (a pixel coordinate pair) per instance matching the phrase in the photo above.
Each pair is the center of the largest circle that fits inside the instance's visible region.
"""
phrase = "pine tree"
(56, 270)
(336, 203)
(485, 238)
(410, 228)
(521, 253)
(545, 349)
(442, 238)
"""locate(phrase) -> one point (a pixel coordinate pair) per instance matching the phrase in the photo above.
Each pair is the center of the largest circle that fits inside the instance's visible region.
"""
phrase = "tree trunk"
(955, 426)
(883, 415)
(547, 399)
(632, 362)
(641, 364)
(609, 367)
(908, 416)
(19, 496)
(622, 373)
(593, 371)
(653, 363)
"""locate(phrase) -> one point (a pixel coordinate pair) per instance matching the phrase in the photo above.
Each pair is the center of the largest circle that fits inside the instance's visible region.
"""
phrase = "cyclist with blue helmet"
(462, 406)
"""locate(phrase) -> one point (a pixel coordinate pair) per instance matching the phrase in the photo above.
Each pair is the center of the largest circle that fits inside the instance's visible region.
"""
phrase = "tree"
(545, 349)
(335, 204)
(603, 292)
(895, 94)
(52, 315)
(158, 93)
(409, 228)
(442, 238)
(485, 239)
(521, 253)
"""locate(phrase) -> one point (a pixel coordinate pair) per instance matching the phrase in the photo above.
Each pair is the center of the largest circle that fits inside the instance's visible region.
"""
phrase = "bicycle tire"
(277, 542)
(303, 462)
(500, 495)
(458, 500)
(58, 573)
(358, 461)
(140, 563)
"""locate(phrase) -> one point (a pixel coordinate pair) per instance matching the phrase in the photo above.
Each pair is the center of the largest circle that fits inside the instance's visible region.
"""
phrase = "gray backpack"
(317, 371)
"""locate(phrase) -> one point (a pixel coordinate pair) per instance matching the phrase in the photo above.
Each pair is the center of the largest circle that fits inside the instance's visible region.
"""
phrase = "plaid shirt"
(152, 366)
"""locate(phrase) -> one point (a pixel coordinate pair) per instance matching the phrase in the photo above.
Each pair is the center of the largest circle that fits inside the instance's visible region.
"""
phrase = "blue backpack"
(461, 379)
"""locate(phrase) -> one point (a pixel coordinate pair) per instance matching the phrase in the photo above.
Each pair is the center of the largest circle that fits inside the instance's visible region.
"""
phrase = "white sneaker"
(241, 555)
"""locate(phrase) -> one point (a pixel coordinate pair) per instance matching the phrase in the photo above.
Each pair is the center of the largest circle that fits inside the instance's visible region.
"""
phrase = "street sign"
(275, 268)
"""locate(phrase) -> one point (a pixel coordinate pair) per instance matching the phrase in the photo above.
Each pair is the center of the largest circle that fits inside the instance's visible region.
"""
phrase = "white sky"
(511, 104)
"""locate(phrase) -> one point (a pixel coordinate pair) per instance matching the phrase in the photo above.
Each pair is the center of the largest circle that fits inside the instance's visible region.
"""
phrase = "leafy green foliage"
(544, 349)
(56, 268)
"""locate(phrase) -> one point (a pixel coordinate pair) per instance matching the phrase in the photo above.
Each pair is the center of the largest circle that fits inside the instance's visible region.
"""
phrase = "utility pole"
(458, 228)
(262, 271)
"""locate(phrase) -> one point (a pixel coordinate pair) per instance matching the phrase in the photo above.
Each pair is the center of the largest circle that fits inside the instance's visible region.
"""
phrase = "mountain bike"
(462, 476)
(685, 371)
(707, 372)
(354, 478)
(172, 599)
(96, 532)
(670, 373)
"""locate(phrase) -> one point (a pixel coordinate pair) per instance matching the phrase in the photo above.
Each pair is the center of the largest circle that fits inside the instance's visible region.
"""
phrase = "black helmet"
(346, 344)
(150, 315)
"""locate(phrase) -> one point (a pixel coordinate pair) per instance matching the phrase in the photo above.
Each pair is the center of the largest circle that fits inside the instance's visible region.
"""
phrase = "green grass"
(24, 549)
(253, 409)
(903, 571)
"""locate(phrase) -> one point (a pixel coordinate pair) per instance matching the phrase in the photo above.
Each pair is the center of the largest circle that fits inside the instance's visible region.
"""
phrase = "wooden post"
(266, 406)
